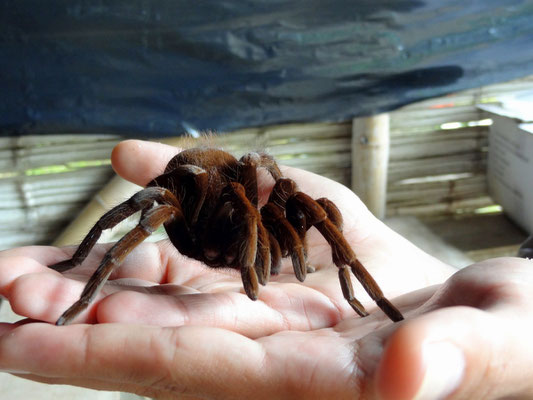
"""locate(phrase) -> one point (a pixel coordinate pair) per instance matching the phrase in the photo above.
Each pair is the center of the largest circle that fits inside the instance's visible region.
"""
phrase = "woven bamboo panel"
(45, 181)
(438, 153)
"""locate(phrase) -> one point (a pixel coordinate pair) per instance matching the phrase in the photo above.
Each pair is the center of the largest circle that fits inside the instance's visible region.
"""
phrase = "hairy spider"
(207, 201)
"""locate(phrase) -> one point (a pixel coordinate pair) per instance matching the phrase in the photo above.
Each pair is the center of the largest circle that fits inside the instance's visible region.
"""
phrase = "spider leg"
(333, 213)
(347, 291)
(236, 241)
(282, 190)
(335, 217)
(142, 200)
(249, 274)
(263, 259)
(114, 257)
(247, 176)
(275, 254)
(267, 161)
(287, 238)
(290, 240)
(342, 252)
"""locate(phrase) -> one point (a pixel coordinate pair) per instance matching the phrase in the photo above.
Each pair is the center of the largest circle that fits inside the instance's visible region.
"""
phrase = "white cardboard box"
(510, 158)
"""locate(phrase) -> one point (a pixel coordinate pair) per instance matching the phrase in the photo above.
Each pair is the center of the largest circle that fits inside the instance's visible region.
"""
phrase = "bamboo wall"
(437, 163)
(438, 154)
(45, 180)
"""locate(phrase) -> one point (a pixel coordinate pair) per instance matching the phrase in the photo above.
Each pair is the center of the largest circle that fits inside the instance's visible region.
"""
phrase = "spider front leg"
(247, 173)
(140, 201)
(235, 242)
(302, 209)
(189, 177)
(268, 259)
(114, 257)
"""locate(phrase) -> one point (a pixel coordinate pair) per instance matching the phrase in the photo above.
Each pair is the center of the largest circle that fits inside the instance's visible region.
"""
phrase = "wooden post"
(370, 159)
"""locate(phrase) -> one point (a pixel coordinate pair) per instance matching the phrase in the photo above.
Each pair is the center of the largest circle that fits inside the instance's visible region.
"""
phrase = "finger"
(45, 296)
(11, 268)
(191, 360)
(493, 285)
(33, 289)
(279, 307)
(140, 161)
(479, 349)
(284, 304)
(157, 262)
(439, 355)
(187, 361)
(43, 254)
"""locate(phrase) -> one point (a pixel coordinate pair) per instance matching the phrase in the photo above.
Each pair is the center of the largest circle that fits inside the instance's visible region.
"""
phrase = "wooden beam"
(370, 158)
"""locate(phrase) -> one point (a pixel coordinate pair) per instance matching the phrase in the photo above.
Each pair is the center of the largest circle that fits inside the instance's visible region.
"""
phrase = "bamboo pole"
(370, 157)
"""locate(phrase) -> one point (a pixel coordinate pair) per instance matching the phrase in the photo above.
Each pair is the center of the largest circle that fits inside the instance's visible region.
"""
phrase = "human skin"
(169, 327)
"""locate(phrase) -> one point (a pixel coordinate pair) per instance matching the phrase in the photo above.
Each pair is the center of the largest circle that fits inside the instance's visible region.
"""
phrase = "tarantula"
(207, 200)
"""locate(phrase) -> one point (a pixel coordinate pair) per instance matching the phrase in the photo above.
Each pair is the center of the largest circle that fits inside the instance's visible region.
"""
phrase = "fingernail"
(445, 366)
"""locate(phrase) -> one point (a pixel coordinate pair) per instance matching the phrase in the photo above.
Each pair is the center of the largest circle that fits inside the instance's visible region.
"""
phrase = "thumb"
(456, 352)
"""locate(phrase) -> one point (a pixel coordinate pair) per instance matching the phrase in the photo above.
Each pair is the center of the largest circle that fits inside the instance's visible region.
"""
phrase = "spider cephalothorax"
(207, 201)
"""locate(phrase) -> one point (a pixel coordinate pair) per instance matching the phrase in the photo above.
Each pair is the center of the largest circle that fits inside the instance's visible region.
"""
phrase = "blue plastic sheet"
(156, 68)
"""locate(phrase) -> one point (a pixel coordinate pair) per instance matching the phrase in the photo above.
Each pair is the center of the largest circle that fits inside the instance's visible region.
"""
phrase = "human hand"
(469, 336)
(157, 280)
(158, 269)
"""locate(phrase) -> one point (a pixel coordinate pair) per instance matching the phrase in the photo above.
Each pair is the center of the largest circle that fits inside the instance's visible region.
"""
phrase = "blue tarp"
(155, 68)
